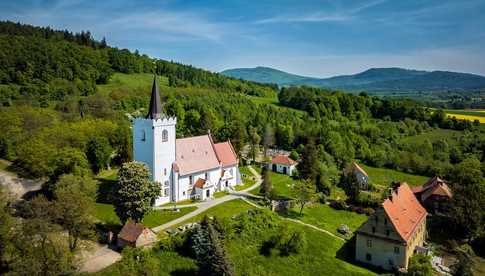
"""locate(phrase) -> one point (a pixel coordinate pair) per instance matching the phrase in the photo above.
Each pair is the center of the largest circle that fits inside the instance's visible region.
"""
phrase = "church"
(186, 168)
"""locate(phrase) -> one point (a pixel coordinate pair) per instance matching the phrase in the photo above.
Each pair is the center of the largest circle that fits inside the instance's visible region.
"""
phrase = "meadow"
(384, 177)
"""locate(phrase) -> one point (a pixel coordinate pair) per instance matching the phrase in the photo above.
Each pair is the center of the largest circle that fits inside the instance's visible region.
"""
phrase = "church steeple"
(155, 111)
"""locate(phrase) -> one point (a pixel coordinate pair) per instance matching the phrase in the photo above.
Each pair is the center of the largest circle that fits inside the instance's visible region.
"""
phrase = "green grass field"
(281, 185)
(106, 214)
(384, 177)
(224, 210)
(325, 217)
(131, 81)
(246, 178)
(274, 102)
(432, 135)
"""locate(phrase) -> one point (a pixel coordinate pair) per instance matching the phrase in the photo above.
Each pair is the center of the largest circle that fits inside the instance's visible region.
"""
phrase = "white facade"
(154, 143)
(282, 168)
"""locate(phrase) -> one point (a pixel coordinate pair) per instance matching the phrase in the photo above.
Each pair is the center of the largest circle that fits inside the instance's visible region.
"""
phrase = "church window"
(167, 183)
(191, 180)
(143, 136)
(165, 171)
(164, 135)
(166, 192)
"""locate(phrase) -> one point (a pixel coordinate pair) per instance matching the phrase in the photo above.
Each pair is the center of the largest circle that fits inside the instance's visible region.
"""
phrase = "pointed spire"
(155, 111)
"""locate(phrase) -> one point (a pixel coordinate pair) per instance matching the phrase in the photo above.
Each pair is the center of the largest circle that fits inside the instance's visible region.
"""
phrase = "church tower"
(154, 144)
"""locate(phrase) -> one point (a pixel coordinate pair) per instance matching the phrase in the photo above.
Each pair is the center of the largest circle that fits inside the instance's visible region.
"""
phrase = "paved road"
(203, 206)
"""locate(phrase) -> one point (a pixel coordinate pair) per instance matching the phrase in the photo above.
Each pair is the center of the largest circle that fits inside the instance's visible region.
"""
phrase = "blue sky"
(314, 38)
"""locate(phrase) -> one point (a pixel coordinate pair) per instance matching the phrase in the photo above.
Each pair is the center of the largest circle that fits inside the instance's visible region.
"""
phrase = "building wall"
(159, 155)
(280, 168)
(231, 182)
(362, 179)
(383, 239)
(146, 238)
(185, 189)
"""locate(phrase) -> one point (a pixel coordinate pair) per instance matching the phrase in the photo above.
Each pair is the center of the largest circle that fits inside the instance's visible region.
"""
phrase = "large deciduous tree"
(304, 193)
(135, 193)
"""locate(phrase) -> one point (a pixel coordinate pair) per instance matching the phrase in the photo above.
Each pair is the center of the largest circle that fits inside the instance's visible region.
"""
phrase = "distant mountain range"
(372, 80)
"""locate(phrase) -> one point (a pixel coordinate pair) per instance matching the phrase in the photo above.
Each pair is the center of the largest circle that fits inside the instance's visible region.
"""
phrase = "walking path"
(16, 185)
(315, 227)
(101, 258)
(203, 206)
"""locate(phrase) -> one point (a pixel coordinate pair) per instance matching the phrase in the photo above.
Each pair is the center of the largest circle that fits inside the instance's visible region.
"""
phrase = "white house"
(283, 164)
(192, 167)
(360, 174)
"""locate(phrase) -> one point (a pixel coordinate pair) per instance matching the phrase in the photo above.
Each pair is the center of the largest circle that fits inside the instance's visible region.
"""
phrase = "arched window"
(143, 136)
(164, 135)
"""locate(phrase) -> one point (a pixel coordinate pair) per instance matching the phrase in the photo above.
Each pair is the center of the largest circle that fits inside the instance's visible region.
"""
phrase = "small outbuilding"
(136, 235)
(434, 195)
(204, 189)
(283, 164)
(360, 174)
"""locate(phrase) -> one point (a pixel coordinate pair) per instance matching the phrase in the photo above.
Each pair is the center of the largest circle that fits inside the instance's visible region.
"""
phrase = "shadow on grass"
(105, 191)
(184, 272)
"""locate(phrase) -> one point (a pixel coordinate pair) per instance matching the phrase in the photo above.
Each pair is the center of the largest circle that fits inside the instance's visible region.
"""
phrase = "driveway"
(99, 259)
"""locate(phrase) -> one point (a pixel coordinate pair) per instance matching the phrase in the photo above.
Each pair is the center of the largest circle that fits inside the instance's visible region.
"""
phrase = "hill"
(372, 80)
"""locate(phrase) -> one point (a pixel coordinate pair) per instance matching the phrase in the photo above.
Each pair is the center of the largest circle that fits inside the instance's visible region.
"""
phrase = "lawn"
(224, 210)
(131, 81)
(281, 185)
(324, 255)
(383, 177)
(325, 217)
(246, 178)
(106, 214)
(432, 136)
(274, 102)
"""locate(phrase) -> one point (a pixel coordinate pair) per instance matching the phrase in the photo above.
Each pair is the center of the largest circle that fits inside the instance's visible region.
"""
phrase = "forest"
(56, 120)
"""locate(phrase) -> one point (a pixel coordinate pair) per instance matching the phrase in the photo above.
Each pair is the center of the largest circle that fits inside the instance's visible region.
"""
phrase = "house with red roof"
(136, 235)
(186, 168)
(434, 195)
(283, 164)
(393, 233)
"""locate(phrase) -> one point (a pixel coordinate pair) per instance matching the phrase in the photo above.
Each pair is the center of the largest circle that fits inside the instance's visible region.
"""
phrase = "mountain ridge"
(371, 80)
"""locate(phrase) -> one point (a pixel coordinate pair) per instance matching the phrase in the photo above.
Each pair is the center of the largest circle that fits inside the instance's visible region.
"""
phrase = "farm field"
(468, 114)
(383, 177)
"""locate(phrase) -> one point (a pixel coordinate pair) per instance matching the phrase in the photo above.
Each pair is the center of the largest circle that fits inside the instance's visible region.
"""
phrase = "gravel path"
(99, 259)
(18, 186)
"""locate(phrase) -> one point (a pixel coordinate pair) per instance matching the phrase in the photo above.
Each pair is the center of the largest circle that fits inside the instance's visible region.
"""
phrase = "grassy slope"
(130, 81)
(323, 256)
(432, 135)
(384, 177)
(328, 218)
(281, 185)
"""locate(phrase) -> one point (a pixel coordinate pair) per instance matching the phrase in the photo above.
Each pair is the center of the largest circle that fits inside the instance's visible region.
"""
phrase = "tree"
(209, 250)
(268, 138)
(135, 193)
(5, 226)
(255, 139)
(267, 185)
(350, 185)
(304, 193)
(468, 198)
(309, 164)
(99, 153)
(38, 249)
(73, 207)
(420, 265)
(463, 267)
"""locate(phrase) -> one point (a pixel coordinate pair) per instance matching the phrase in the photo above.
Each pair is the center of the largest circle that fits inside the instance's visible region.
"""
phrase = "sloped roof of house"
(199, 183)
(356, 167)
(434, 186)
(404, 210)
(283, 159)
(131, 231)
(226, 153)
(194, 154)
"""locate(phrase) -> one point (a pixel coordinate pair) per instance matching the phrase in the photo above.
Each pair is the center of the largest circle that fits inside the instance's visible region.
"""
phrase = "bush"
(338, 205)
(286, 241)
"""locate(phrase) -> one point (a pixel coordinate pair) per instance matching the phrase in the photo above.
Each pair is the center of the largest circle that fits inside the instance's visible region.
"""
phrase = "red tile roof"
(200, 183)
(283, 160)
(434, 186)
(195, 154)
(404, 211)
(226, 153)
(131, 231)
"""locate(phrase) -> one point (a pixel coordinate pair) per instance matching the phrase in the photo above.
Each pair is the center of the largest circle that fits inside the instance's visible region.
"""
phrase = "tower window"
(191, 180)
(164, 135)
(206, 176)
(166, 192)
(167, 183)
(165, 171)
(143, 136)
